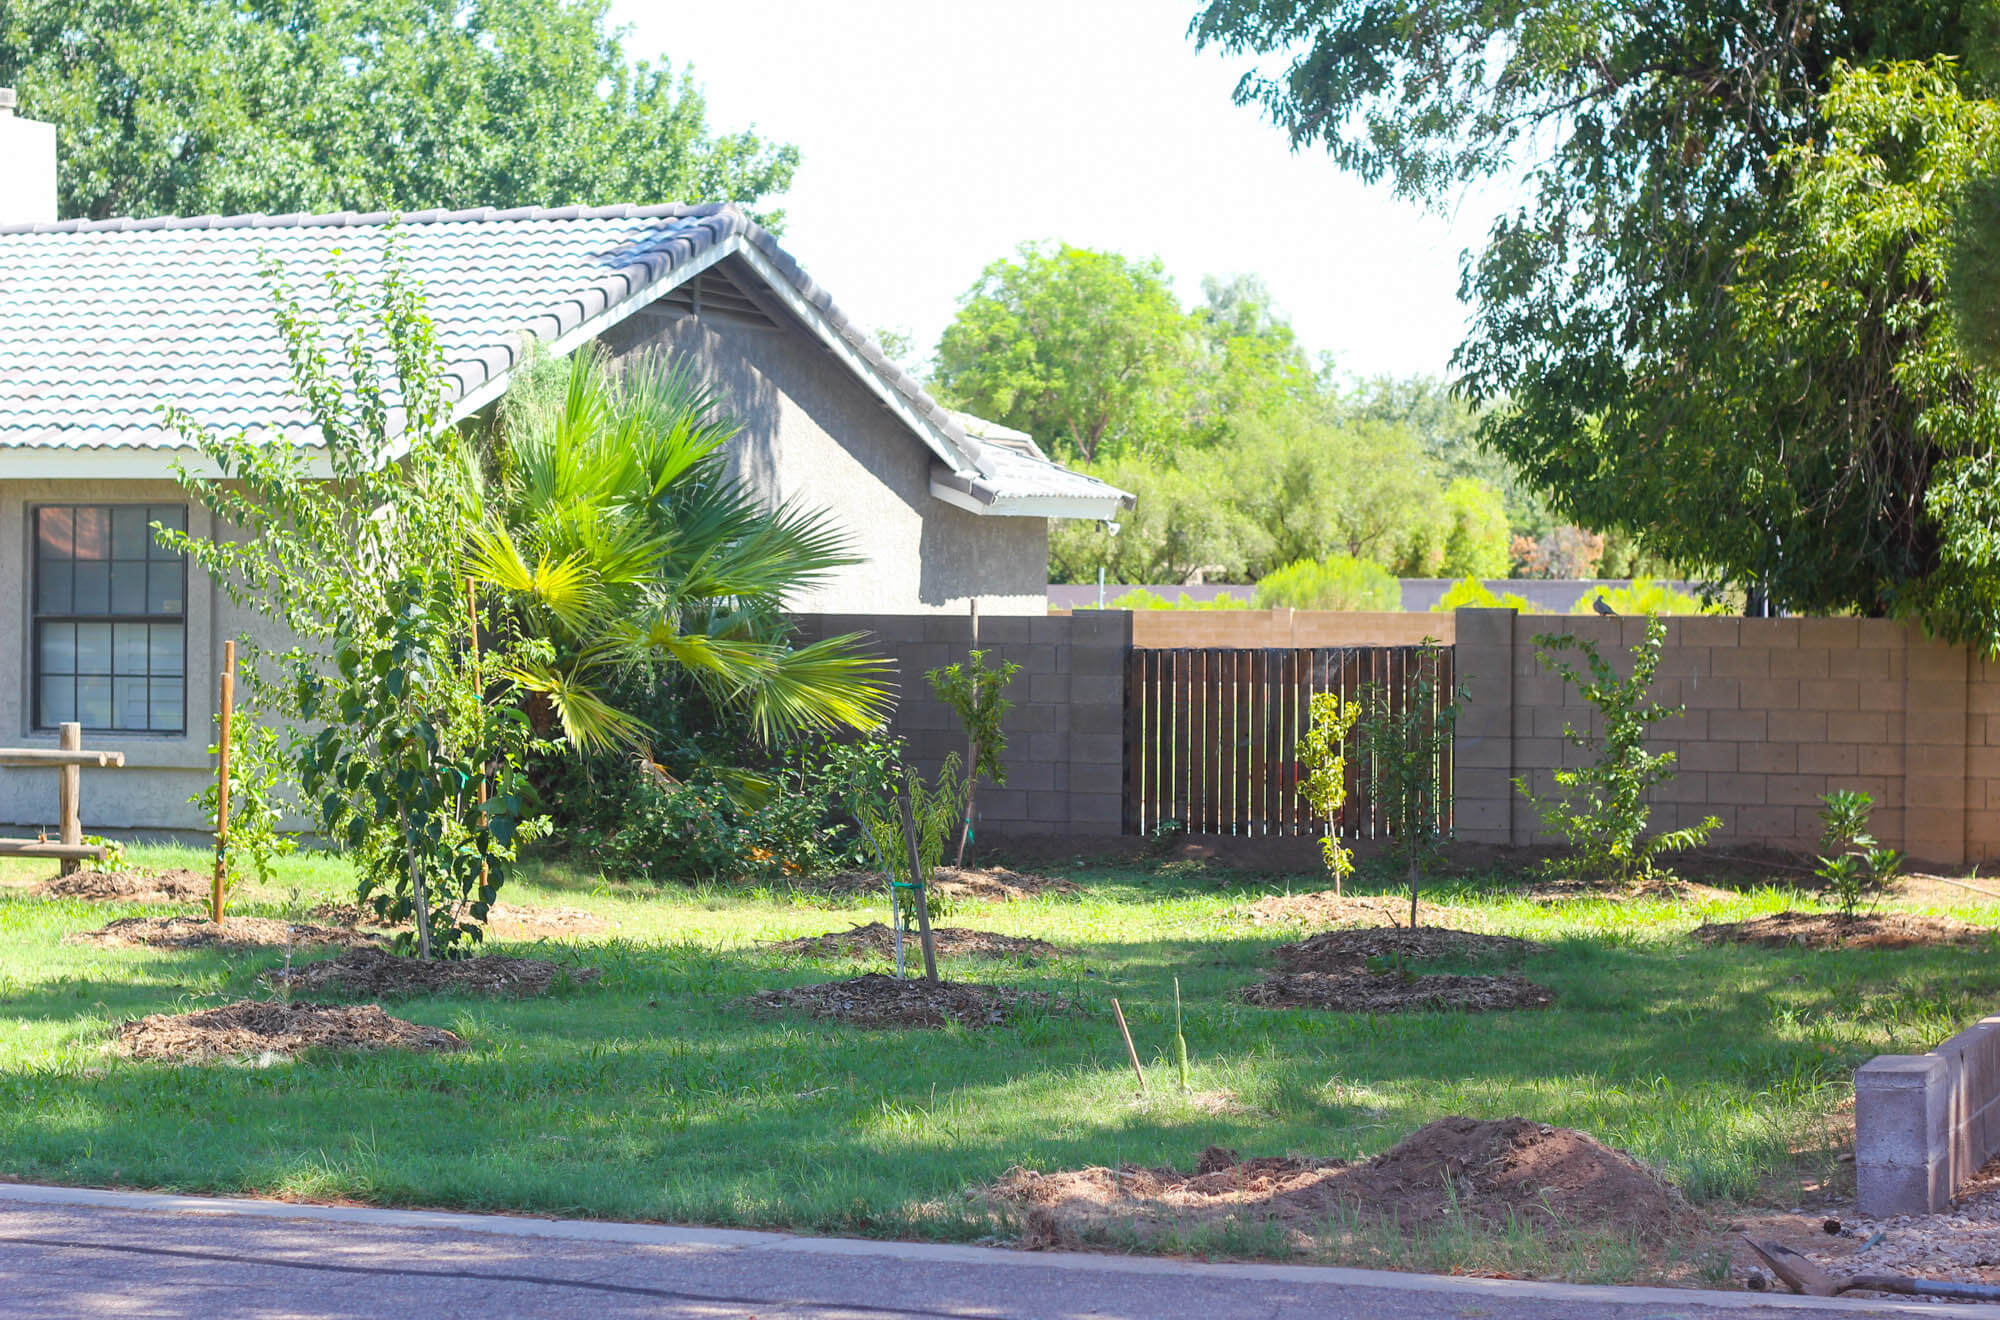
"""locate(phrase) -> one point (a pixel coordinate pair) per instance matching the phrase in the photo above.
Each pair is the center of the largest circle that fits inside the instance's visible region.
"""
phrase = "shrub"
(1322, 756)
(1141, 599)
(1405, 736)
(1471, 593)
(1645, 596)
(1853, 867)
(1338, 582)
(977, 695)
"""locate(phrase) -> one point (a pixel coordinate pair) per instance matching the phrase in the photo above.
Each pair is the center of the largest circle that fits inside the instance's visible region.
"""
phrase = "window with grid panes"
(110, 618)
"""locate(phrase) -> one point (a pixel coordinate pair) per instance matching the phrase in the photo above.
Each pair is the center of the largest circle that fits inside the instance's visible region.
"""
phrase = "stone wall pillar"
(1484, 803)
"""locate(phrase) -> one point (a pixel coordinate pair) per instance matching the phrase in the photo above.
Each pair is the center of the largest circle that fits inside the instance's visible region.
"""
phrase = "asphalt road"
(96, 1254)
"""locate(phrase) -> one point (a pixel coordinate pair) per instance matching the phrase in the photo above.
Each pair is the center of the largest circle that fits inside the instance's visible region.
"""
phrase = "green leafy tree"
(978, 696)
(1184, 523)
(1322, 757)
(1406, 736)
(329, 105)
(1338, 582)
(1307, 486)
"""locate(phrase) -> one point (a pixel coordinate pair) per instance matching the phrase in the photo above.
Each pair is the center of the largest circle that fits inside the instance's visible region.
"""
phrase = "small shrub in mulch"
(374, 972)
(878, 940)
(1326, 908)
(1506, 1174)
(1350, 950)
(1392, 992)
(994, 884)
(128, 885)
(1831, 930)
(254, 1026)
(201, 933)
(504, 921)
(876, 1000)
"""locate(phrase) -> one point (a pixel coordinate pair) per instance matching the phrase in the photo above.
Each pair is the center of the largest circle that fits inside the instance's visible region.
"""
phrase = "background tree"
(187, 107)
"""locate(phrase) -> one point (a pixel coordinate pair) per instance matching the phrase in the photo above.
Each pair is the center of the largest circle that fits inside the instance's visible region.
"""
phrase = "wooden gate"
(1211, 735)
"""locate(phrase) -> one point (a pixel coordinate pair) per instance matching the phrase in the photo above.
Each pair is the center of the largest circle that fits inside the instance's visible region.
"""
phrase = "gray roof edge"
(375, 219)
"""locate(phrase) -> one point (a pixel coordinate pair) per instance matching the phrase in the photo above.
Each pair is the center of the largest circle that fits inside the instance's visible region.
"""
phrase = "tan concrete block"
(1797, 726)
(1799, 662)
(1484, 721)
(1684, 662)
(1768, 758)
(1887, 825)
(1860, 726)
(1704, 631)
(1934, 728)
(1835, 695)
(1688, 786)
(1889, 694)
(1713, 693)
(1880, 759)
(1485, 627)
(1747, 726)
(1738, 789)
(1829, 633)
(1982, 763)
(1711, 755)
(1770, 632)
(1983, 697)
(1859, 663)
(1829, 759)
(1550, 721)
(1482, 753)
(1689, 725)
(1882, 634)
(1772, 825)
(1742, 662)
(1538, 690)
(1937, 660)
(1934, 793)
(1932, 834)
(1794, 790)
(1769, 693)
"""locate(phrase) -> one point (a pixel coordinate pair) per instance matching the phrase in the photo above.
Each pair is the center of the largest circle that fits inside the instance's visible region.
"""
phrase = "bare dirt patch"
(1831, 930)
(504, 921)
(1326, 908)
(876, 1000)
(128, 885)
(374, 972)
(201, 933)
(994, 884)
(1391, 992)
(1350, 950)
(879, 940)
(1501, 1173)
(253, 1026)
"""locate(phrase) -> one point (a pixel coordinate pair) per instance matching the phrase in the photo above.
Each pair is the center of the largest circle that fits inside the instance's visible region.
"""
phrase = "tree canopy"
(189, 107)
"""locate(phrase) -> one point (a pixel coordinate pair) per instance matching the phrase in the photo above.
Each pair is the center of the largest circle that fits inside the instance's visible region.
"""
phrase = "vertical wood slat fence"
(1211, 735)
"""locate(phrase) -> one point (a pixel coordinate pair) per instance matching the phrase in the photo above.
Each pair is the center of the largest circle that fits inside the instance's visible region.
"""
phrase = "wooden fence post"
(69, 794)
(220, 880)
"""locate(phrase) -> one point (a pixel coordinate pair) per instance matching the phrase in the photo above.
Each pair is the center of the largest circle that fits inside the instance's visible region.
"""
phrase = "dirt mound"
(1350, 950)
(877, 939)
(876, 1000)
(1830, 930)
(201, 933)
(1389, 992)
(252, 1026)
(504, 921)
(1503, 1173)
(128, 886)
(993, 883)
(374, 972)
(1326, 908)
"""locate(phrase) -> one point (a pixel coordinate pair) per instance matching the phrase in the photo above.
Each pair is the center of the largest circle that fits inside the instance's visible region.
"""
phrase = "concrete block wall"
(1778, 712)
(1924, 1123)
(1066, 745)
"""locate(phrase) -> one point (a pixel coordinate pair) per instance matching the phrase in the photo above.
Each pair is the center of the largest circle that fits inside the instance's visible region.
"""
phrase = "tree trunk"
(917, 879)
(965, 826)
(419, 900)
(1413, 891)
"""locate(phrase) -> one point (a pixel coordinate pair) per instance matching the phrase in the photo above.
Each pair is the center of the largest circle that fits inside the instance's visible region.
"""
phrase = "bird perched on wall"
(1600, 606)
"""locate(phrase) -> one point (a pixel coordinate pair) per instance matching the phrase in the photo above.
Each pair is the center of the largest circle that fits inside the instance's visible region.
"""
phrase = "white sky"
(936, 135)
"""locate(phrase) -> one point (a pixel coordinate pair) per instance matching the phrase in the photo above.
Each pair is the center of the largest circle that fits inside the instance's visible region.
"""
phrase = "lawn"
(653, 1093)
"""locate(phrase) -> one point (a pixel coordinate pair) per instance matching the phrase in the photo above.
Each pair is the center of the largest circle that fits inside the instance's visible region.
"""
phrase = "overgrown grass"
(655, 1094)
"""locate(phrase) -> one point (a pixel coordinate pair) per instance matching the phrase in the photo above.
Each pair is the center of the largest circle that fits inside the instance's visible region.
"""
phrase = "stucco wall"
(816, 435)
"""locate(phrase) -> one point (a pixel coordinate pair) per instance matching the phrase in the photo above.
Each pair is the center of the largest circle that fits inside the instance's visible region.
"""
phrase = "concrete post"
(1483, 796)
(1902, 1118)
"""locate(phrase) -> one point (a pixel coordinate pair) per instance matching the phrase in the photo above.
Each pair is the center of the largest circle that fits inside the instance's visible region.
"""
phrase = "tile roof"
(103, 321)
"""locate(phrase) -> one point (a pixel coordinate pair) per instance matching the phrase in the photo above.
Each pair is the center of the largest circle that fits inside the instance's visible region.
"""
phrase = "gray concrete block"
(1902, 1133)
(1885, 1190)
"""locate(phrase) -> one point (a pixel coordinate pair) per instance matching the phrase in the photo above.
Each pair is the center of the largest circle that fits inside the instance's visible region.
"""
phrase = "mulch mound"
(1830, 930)
(1326, 908)
(503, 920)
(201, 933)
(1502, 1173)
(128, 886)
(877, 939)
(1350, 950)
(993, 883)
(374, 972)
(876, 1000)
(1388, 992)
(252, 1026)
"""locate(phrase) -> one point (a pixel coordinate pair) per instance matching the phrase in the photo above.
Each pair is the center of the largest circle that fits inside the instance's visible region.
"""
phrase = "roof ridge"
(360, 219)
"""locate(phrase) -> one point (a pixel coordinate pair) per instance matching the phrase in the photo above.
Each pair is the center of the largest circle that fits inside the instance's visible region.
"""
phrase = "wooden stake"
(972, 752)
(1130, 1052)
(69, 793)
(217, 885)
(917, 878)
(472, 630)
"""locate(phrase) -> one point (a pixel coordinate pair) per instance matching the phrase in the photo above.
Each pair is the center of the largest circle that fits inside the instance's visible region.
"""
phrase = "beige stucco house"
(102, 322)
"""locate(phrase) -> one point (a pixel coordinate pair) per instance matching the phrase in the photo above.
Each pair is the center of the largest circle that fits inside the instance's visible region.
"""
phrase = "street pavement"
(88, 1254)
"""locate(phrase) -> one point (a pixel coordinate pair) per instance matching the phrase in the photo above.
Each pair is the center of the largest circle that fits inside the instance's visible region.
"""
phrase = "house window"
(110, 616)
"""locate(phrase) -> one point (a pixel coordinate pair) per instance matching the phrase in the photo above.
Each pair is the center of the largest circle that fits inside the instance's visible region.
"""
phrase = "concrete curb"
(668, 1235)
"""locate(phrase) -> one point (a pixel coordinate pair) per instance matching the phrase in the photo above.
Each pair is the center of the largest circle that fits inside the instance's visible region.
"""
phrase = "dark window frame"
(38, 619)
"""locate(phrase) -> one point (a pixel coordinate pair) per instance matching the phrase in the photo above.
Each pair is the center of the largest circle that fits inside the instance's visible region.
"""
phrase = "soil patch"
(878, 939)
(503, 920)
(876, 1000)
(1350, 950)
(1391, 992)
(374, 972)
(995, 884)
(128, 886)
(252, 1026)
(1326, 908)
(1831, 930)
(1501, 1173)
(201, 933)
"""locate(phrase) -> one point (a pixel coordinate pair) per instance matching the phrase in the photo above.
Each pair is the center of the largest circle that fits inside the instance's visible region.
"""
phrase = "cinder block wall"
(1066, 749)
(1779, 711)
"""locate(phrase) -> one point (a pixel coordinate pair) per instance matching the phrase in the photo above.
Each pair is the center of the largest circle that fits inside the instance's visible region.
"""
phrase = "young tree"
(1405, 736)
(977, 695)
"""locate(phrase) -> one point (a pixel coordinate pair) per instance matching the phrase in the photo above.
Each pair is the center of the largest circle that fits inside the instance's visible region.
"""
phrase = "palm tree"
(611, 531)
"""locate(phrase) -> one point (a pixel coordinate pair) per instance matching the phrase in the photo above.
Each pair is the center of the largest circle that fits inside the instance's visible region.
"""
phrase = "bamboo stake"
(217, 884)
(472, 630)
(917, 878)
(1130, 1051)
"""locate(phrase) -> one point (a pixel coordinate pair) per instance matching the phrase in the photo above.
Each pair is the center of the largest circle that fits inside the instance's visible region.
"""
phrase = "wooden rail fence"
(1211, 735)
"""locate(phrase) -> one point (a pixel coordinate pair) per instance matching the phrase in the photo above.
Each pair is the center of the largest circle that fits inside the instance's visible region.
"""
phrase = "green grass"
(655, 1094)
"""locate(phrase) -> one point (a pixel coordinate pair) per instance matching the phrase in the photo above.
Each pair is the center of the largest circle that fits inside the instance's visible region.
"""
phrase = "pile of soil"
(128, 886)
(1502, 1173)
(1326, 908)
(252, 1026)
(1388, 992)
(995, 884)
(374, 972)
(876, 1000)
(201, 933)
(503, 921)
(875, 938)
(1831, 930)
(1350, 950)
